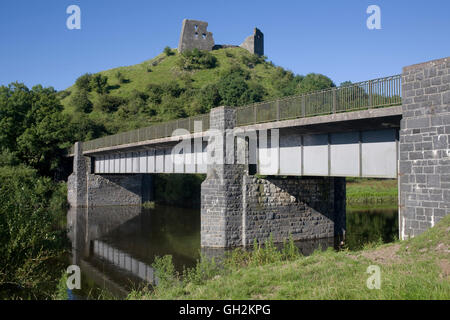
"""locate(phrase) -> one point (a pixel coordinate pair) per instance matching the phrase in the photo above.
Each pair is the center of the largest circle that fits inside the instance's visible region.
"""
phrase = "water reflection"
(116, 246)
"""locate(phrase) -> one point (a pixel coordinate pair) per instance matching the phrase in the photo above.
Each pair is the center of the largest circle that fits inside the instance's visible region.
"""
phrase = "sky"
(321, 36)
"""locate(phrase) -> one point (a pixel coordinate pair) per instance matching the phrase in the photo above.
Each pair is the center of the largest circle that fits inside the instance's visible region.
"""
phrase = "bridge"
(279, 167)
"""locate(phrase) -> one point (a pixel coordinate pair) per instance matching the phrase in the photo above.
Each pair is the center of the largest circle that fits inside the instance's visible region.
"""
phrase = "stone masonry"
(237, 208)
(424, 164)
(86, 189)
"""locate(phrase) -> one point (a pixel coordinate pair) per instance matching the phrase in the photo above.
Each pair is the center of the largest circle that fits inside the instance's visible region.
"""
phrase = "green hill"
(174, 85)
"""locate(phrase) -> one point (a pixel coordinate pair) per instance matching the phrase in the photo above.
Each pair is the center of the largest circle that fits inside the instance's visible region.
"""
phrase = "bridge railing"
(156, 131)
(375, 93)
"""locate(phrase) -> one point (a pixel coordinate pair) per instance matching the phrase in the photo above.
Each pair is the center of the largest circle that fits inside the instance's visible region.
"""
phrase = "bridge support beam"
(86, 189)
(424, 164)
(238, 208)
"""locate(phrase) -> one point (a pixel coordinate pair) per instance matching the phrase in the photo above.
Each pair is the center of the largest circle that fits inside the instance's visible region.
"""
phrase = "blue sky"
(328, 37)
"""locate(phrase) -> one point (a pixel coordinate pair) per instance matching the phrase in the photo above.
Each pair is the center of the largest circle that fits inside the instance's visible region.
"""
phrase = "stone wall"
(303, 207)
(254, 43)
(237, 208)
(194, 34)
(424, 164)
(85, 189)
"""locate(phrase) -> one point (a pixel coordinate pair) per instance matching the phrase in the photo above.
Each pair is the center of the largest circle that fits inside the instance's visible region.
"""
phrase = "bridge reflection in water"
(116, 246)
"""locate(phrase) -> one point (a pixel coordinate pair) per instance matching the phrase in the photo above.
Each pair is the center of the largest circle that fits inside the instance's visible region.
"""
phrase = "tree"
(84, 82)
(32, 125)
(168, 52)
(80, 100)
(99, 83)
(314, 82)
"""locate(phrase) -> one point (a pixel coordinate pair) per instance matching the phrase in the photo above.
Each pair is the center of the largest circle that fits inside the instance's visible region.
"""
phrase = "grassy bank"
(414, 269)
(371, 191)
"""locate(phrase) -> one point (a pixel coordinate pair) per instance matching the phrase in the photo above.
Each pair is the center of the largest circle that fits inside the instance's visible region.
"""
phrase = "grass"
(418, 268)
(163, 69)
(372, 191)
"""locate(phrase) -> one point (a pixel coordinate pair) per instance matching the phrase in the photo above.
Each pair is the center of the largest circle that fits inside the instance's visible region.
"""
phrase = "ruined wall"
(424, 168)
(254, 43)
(194, 34)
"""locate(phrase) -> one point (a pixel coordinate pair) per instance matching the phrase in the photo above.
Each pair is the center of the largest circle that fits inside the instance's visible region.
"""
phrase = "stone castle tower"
(254, 43)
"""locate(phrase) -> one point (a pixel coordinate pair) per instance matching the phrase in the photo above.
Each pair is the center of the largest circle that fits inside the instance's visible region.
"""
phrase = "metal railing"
(375, 93)
(156, 131)
(363, 95)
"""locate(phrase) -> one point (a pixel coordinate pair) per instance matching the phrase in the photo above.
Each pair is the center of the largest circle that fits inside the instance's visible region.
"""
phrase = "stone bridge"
(278, 168)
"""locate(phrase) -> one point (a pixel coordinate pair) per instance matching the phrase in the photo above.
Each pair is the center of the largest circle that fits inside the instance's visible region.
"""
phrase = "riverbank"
(371, 191)
(418, 268)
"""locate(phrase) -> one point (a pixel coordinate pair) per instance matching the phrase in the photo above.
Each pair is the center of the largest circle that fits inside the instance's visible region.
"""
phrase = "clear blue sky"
(328, 37)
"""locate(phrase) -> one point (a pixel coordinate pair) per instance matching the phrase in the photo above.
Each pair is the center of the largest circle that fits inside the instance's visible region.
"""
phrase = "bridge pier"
(238, 208)
(424, 164)
(86, 189)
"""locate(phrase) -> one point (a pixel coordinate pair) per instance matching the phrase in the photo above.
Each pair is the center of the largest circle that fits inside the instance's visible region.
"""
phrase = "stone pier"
(238, 208)
(86, 189)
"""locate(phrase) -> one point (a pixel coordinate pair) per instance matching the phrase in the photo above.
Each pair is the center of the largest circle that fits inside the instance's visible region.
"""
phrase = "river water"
(116, 246)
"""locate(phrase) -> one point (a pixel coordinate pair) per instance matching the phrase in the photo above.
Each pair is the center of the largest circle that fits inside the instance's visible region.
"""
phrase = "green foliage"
(30, 240)
(204, 270)
(32, 125)
(80, 101)
(84, 82)
(313, 82)
(109, 103)
(235, 90)
(99, 83)
(196, 59)
(165, 272)
(168, 51)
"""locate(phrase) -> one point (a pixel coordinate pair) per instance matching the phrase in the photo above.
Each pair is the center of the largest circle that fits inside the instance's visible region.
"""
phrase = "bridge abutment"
(86, 189)
(424, 155)
(238, 208)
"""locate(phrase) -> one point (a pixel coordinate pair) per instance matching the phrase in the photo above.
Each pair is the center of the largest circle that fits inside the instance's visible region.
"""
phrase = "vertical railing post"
(303, 106)
(254, 114)
(370, 93)
(334, 100)
(278, 109)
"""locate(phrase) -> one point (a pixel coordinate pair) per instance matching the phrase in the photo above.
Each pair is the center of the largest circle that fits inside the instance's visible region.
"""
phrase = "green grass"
(371, 191)
(414, 269)
(163, 69)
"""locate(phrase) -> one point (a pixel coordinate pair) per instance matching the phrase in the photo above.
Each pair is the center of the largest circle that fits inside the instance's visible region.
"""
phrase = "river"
(116, 246)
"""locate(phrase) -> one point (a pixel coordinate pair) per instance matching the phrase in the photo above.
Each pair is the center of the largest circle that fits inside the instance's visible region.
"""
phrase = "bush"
(84, 82)
(109, 103)
(81, 103)
(99, 83)
(196, 59)
(30, 241)
(168, 52)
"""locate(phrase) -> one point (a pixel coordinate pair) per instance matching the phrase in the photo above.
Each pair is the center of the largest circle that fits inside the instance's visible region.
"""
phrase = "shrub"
(99, 83)
(109, 103)
(196, 59)
(30, 242)
(84, 82)
(80, 101)
(168, 51)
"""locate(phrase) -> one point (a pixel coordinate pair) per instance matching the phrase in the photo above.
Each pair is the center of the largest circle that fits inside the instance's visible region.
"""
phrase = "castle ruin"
(194, 34)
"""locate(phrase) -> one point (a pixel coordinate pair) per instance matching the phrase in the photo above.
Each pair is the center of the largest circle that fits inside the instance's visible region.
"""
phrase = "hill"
(173, 85)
